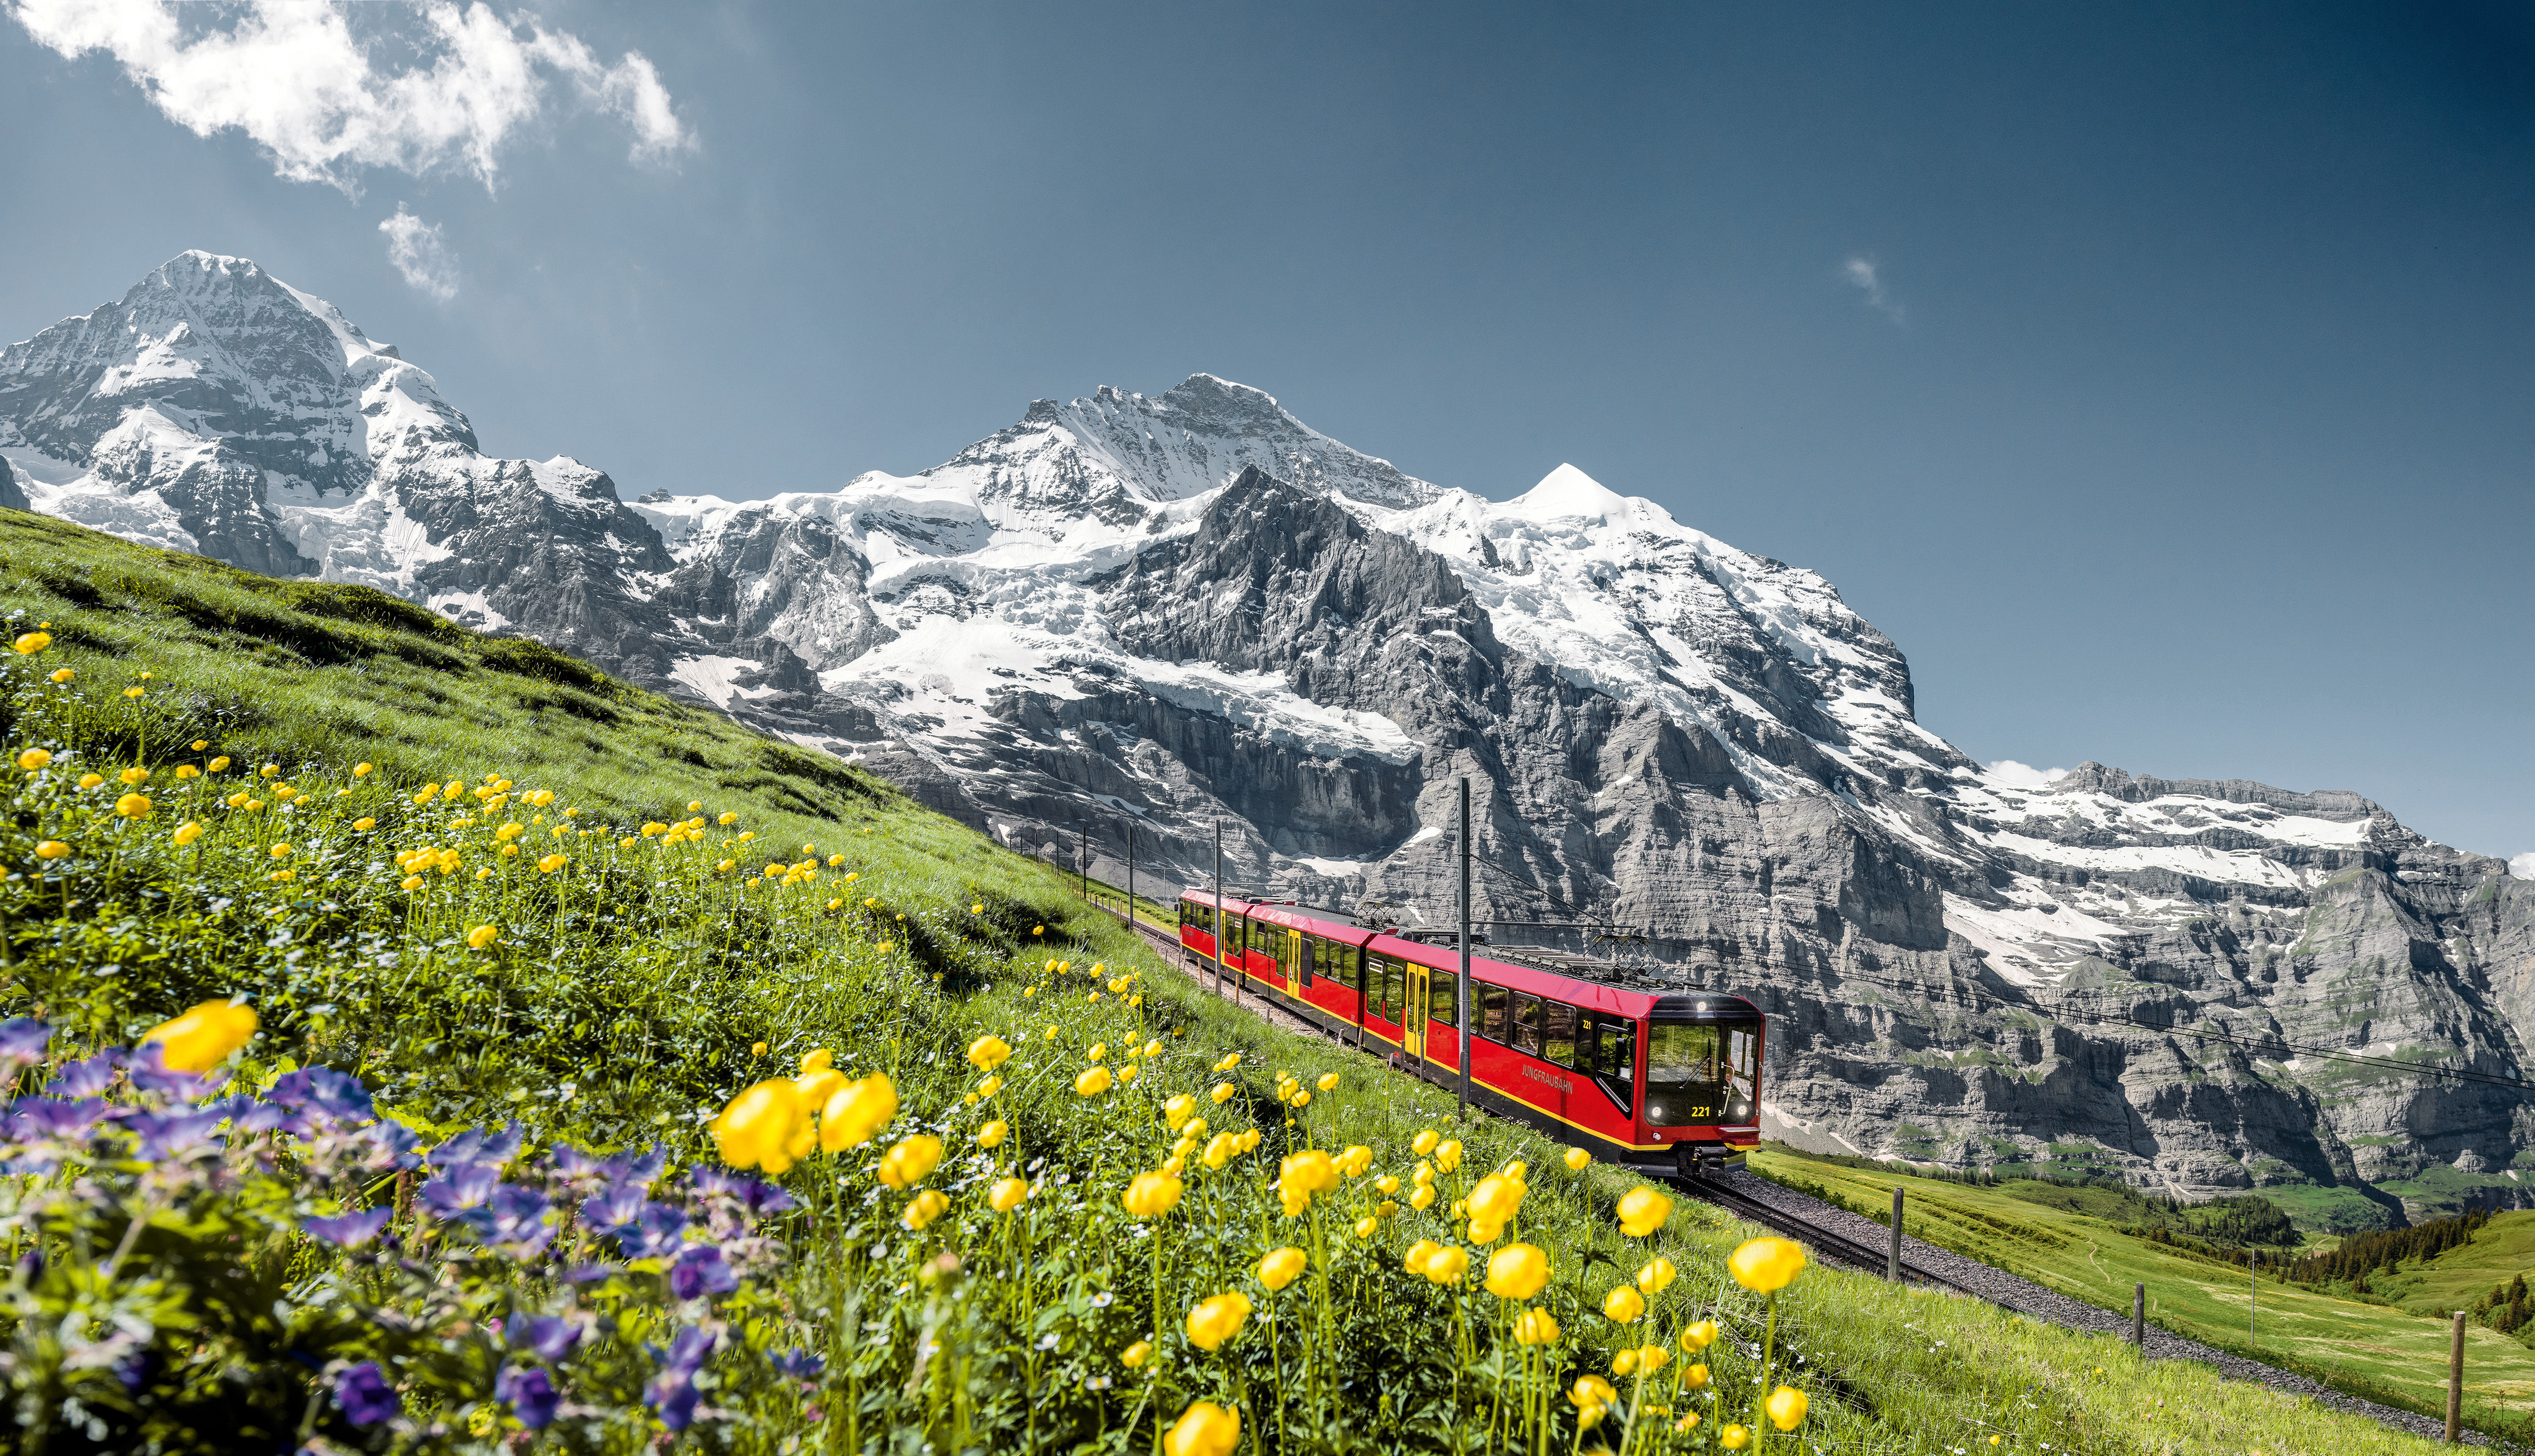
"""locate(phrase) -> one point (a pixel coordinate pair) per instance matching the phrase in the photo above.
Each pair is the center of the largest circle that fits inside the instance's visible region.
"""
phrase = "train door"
(1295, 960)
(1412, 1020)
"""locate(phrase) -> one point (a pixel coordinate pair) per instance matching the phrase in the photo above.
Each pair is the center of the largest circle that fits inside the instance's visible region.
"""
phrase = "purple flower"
(165, 1135)
(800, 1365)
(673, 1398)
(530, 1394)
(54, 1118)
(653, 1233)
(641, 1170)
(687, 1352)
(465, 1186)
(324, 1090)
(701, 1270)
(87, 1078)
(757, 1198)
(349, 1230)
(614, 1209)
(516, 1221)
(545, 1337)
(396, 1142)
(150, 1073)
(246, 1115)
(475, 1145)
(589, 1273)
(365, 1395)
(23, 1042)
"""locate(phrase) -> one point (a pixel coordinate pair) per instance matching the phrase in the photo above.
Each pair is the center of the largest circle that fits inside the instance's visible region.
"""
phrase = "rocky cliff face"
(1191, 610)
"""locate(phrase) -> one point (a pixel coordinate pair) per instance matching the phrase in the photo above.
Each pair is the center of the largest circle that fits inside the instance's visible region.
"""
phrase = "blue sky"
(2157, 377)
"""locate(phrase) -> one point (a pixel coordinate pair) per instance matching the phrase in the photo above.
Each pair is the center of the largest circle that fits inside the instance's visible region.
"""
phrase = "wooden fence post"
(1892, 1259)
(2139, 1317)
(2456, 1380)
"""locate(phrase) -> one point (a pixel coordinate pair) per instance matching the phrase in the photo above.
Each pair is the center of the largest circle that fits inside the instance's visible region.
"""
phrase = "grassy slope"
(2397, 1356)
(315, 678)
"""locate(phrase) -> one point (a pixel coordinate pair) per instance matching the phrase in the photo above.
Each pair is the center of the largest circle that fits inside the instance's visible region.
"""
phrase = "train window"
(1439, 999)
(1233, 932)
(1558, 1032)
(1616, 1059)
(1492, 1012)
(1742, 1070)
(1304, 955)
(1584, 1024)
(1197, 917)
(1395, 990)
(1526, 1023)
(1681, 1073)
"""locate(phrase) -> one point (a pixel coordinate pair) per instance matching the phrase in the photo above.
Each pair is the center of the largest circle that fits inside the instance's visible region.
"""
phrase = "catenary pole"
(1461, 982)
(1087, 863)
(1131, 874)
(1219, 906)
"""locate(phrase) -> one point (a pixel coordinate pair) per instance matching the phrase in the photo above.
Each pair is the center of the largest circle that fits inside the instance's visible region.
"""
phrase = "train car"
(1665, 1083)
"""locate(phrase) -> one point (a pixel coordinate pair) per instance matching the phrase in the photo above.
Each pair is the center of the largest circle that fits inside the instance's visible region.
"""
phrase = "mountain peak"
(1568, 493)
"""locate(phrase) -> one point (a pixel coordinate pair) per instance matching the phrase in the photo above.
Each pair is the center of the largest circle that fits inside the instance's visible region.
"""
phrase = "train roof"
(1563, 975)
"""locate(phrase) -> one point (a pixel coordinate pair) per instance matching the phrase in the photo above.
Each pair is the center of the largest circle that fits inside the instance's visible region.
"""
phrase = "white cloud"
(292, 76)
(2522, 867)
(2022, 775)
(415, 247)
(1862, 273)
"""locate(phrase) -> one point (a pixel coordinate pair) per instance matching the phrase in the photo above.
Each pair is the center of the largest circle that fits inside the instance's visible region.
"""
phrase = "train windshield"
(1701, 1072)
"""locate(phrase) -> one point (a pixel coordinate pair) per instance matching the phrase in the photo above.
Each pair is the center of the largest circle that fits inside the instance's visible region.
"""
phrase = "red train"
(1663, 1083)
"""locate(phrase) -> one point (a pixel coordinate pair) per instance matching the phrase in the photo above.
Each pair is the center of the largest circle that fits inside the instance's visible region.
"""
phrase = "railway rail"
(1924, 1263)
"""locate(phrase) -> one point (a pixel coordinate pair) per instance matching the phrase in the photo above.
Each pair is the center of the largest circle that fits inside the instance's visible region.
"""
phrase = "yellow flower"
(857, 1112)
(987, 1053)
(1693, 1376)
(757, 1129)
(1006, 1194)
(1643, 1210)
(63, 675)
(1786, 1408)
(412, 883)
(1153, 1194)
(912, 1161)
(1228, 1062)
(992, 1135)
(218, 764)
(978, 909)
(1093, 1082)
(1576, 1160)
(132, 806)
(365, 824)
(1414, 1260)
(1651, 1358)
(90, 780)
(33, 642)
(1179, 1109)
(1283, 1267)
(481, 936)
(553, 862)
(135, 690)
(1218, 1319)
(1222, 1092)
(813, 1088)
(188, 770)
(759, 1050)
(1328, 1082)
(1423, 1198)
(1447, 1155)
(1593, 1390)
(1517, 1271)
(1623, 1304)
(1137, 1353)
(1697, 1337)
(1688, 1423)
(1535, 1327)
(204, 1037)
(1099, 1050)
(361, 770)
(1767, 1265)
(1310, 1170)
(1205, 1429)
(989, 1085)
(1221, 1149)
(1446, 1265)
(1734, 1439)
(134, 775)
(1657, 1276)
(924, 1209)
(33, 758)
(1495, 1199)
(281, 851)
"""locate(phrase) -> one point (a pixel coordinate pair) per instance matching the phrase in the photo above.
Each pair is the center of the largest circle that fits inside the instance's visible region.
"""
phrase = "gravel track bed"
(2007, 1291)
(2036, 1302)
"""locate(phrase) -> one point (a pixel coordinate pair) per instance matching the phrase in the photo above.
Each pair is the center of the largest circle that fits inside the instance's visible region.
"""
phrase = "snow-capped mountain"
(1175, 611)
